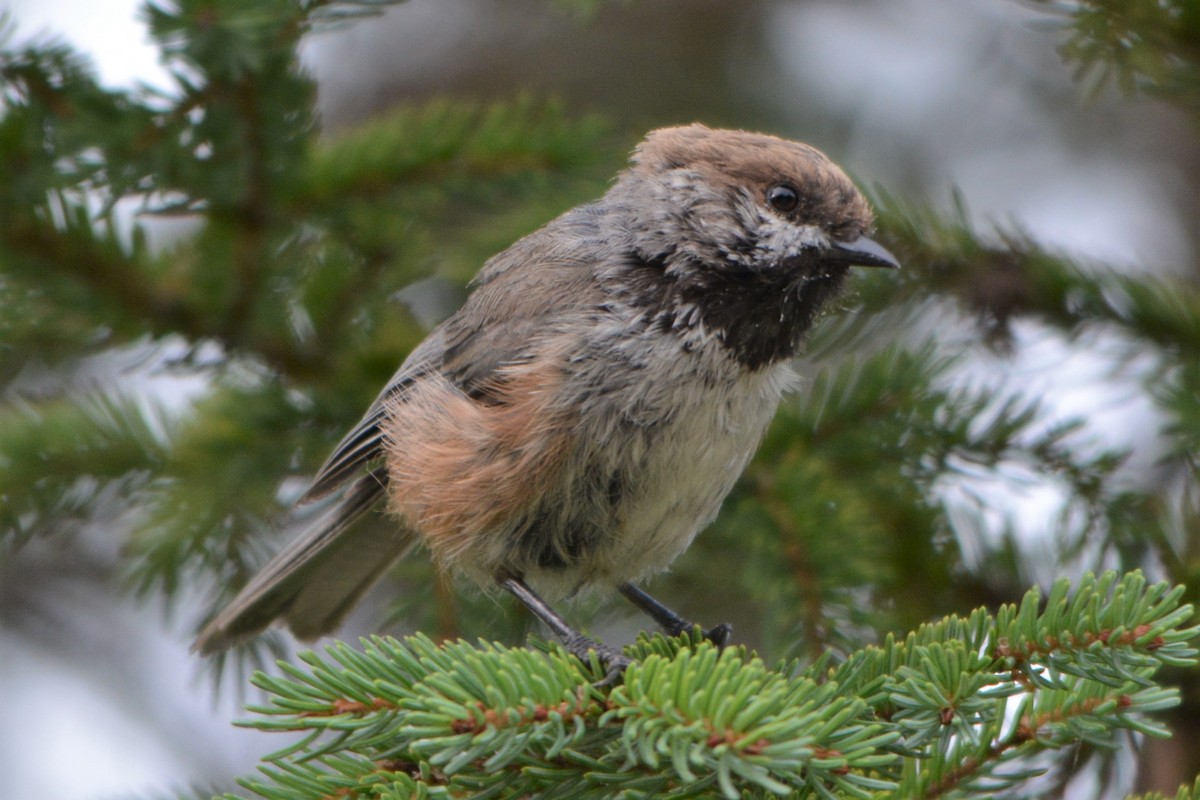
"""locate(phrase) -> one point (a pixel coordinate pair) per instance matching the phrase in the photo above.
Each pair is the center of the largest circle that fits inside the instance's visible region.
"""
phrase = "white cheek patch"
(779, 239)
(775, 238)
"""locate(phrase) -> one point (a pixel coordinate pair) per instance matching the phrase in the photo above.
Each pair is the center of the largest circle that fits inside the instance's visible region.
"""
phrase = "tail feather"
(314, 581)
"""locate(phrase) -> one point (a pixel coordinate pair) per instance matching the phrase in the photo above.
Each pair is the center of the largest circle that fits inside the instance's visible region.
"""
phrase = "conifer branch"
(956, 707)
(1016, 277)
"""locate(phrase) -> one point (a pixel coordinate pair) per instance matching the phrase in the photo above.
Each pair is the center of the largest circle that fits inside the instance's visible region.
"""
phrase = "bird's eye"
(783, 198)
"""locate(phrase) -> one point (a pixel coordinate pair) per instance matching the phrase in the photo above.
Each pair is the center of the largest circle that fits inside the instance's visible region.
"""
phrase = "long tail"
(314, 581)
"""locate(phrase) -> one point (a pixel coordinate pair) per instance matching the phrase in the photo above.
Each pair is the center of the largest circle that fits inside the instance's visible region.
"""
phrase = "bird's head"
(753, 232)
(753, 200)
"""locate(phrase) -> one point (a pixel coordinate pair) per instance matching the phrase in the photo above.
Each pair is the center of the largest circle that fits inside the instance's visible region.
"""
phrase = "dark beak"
(862, 252)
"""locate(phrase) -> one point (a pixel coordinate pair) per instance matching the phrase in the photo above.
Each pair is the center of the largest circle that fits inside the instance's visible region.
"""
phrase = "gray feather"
(315, 580)
(363, 445)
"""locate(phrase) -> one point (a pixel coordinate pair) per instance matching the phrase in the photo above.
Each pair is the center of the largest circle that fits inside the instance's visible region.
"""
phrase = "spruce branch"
(1150, 46)
(1005, 274)
(959, 706)
(60, 454)
(442, 140)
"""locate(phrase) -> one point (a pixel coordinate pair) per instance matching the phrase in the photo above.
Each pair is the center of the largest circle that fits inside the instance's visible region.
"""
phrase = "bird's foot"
(612, 659)
(720, 635)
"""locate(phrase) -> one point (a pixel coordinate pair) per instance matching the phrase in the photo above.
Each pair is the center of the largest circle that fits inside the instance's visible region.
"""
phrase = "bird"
(581, 418)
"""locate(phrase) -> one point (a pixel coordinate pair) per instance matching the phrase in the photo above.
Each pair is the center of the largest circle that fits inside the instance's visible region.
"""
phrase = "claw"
(613, 660)
(720, 635)
(614, 672)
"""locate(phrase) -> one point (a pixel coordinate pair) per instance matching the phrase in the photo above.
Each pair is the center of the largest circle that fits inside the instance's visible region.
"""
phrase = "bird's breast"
(659, 448)
(689, 466)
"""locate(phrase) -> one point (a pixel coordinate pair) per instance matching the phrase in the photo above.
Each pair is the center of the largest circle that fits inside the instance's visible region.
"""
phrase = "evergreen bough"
(957, 708)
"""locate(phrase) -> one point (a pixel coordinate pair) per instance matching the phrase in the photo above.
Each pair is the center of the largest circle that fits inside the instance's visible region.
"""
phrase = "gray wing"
(519, 295)
(314, 581)
(363, 445)
(320, 575)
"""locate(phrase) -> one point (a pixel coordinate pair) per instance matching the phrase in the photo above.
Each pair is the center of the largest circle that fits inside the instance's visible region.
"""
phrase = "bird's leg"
(577, 644)
(672, 622)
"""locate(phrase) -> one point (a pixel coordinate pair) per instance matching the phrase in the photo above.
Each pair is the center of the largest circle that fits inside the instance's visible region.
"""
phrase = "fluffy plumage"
(584, 414)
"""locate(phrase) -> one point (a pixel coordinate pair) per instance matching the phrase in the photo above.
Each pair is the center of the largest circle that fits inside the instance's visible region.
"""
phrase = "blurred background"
(1068, 456)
